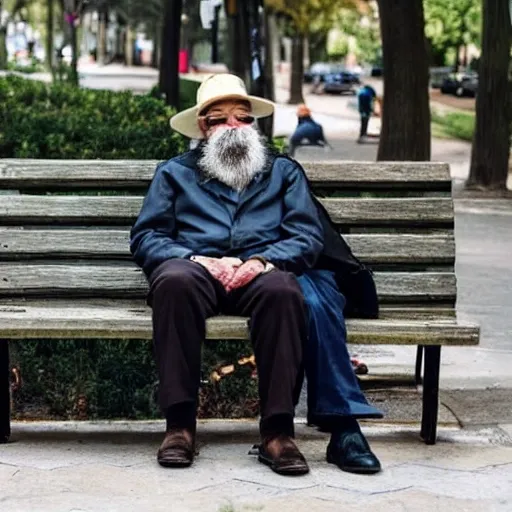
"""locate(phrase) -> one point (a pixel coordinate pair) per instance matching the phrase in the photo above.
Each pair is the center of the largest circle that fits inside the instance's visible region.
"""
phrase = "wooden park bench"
(66, 270)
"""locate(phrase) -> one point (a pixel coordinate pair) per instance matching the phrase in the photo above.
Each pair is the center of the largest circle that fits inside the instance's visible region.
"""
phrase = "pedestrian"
(367, 100)
(307, 133)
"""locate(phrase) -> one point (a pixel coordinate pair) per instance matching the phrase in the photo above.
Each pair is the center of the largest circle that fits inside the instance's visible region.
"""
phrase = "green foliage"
(90, 379)
(459, 125)
(61, 121)
(307, 14)
(364, 28)
(451, 24)
(188, 92)
(34, 67)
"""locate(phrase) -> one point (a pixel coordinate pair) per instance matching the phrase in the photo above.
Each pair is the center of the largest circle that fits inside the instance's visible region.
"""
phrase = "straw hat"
(216, 88)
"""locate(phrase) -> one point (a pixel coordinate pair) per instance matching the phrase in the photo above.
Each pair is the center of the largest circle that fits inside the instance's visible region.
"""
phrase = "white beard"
(234, 156)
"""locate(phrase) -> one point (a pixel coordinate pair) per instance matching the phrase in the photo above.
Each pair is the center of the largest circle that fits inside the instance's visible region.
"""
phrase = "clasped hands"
(232, 273)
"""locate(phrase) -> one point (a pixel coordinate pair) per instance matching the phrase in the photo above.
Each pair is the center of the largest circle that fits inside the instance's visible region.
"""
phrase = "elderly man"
(232, 228)
(221, 231)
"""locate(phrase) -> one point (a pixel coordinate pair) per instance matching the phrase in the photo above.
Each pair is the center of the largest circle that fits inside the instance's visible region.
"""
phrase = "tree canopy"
(450, 24)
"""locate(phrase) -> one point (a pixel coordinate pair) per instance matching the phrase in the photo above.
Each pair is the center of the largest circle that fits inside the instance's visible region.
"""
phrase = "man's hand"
(221, 269)
(245, 273)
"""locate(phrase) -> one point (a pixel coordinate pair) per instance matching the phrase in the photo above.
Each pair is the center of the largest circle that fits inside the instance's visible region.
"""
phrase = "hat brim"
(185, 122)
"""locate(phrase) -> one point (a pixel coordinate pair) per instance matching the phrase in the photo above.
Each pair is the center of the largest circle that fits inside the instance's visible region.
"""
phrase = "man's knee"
(174, 276)
(280, 286)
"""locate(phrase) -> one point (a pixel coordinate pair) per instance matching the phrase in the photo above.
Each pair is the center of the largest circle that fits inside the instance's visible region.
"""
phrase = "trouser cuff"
(181, 415)
(277, 424)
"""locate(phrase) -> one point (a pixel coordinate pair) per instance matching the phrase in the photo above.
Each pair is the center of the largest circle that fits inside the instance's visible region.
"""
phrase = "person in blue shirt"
(366, 98)
(308, 132)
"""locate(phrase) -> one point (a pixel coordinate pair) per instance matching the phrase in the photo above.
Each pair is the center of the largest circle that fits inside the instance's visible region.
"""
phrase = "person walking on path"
(367, 100)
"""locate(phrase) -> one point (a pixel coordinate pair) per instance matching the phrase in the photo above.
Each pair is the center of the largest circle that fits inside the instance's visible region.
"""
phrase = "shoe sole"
(174, 464)
(352, 469)
(291, 471)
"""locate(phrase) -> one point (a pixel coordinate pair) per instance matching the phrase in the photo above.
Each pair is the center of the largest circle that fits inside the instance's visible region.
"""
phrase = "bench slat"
(114, 243)
(32, 322)
(105, 210)
(403, 312)
(76, 174)
(125, 279)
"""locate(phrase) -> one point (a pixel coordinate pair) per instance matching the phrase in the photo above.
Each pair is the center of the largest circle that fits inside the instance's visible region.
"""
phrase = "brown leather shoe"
(177, 449)
(282, 456)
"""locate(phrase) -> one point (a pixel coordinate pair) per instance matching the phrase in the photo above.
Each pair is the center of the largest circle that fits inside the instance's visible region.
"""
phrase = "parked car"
(341, 82)
(317, 72)
(465, 84)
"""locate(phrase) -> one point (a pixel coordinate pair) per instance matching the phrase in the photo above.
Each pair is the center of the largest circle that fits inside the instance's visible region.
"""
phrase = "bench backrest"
(64, 228)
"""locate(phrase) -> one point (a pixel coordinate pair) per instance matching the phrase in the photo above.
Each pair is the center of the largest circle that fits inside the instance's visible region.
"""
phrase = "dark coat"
(354, 279)
(182, 205)
(186, 213)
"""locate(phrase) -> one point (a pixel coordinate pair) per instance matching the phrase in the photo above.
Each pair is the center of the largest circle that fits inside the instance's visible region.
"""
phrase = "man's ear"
(202, 125)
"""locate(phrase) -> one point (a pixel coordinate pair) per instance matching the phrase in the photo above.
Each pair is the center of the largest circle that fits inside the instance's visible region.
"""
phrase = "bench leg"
(5, 396)
(419, 363)
(430, 393)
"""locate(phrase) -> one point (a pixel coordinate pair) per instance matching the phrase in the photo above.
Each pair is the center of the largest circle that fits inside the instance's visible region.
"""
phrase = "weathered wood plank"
(126, 280)
(32, 322)
(76, 174)
(114, 243)
(122, 210)
(398, 312)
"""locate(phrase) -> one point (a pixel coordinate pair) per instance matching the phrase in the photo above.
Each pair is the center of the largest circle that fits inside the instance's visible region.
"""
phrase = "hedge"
(62, 121)
(94, 379)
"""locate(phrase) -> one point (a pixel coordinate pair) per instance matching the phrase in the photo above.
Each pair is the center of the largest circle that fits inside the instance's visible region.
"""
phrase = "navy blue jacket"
(308, 129)
(185, 213)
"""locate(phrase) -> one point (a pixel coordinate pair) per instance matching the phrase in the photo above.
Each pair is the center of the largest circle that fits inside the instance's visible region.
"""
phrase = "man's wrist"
(259, 258)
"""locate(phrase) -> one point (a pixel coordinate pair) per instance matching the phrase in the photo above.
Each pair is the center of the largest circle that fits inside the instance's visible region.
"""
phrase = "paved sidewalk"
(95, 467)
(111, 466)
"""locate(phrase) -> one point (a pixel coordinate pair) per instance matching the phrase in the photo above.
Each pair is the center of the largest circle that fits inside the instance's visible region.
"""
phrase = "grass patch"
(455, 125)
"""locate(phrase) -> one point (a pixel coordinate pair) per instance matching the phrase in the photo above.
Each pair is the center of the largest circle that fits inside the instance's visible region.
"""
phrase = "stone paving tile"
(466, 470)
(419, 501)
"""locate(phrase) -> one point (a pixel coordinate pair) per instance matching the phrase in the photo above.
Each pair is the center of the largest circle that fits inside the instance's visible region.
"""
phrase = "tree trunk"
(491, 142)
(239, 42)
(101, 43)
(297, 73)
(215, 36)
(3, 47)
(405, 133)
(156, 46)
(49, 35)
(128, 45)
(169, 73)
(74, 55)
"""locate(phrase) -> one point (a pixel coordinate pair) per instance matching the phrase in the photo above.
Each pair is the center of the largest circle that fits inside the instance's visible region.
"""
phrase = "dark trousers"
(365, 119)
(183, 295)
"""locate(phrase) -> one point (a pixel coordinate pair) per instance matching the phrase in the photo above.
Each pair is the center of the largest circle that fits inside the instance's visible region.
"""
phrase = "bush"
(33, 67)
(91, 379)
(61, 121)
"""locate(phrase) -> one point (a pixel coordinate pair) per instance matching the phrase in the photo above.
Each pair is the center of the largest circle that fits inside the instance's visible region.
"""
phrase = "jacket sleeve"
(151, 237)
(302, 240)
